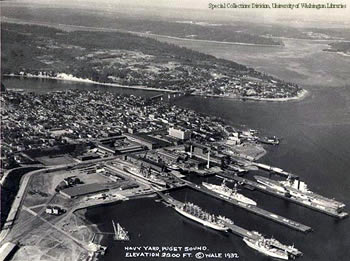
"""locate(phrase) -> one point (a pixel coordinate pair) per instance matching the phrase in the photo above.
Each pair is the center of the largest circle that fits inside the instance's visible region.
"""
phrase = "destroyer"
(195, 213)
(224, 191)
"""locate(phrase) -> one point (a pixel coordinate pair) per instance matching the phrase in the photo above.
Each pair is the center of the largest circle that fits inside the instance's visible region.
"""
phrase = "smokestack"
(191, 148)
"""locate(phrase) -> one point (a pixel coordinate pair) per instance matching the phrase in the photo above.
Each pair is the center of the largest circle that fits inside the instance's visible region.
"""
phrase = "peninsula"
(124, 59)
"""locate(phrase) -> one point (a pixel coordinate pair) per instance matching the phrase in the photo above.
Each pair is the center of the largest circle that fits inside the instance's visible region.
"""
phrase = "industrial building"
(118, 145)
(146, 163)
(146, 140)
(83, 190)
(179, 133)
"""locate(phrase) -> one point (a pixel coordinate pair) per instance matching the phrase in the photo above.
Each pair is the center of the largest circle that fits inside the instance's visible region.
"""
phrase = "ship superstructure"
(224, 191)
(266, 246)
(299, 190)
(195, 213)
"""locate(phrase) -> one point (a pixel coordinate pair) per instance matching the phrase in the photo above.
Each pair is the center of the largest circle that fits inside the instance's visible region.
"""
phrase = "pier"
(255, 185)
(254, 209)
(275, 170)
(237, 230)
(242, 232)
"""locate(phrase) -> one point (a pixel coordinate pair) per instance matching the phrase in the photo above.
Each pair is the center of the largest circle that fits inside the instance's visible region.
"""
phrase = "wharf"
(329, 211)
(237, 230)
(275, 170)
(254, 209)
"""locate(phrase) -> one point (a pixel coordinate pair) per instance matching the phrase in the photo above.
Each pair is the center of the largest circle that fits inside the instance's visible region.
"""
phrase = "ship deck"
(254, 209)
(267, 190)
(234, 229)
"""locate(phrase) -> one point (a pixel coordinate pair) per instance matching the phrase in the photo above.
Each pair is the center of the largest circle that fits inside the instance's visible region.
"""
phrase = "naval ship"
(300, 190)
(195, 213)
(266, 247)
(144, 174)
(224, 191)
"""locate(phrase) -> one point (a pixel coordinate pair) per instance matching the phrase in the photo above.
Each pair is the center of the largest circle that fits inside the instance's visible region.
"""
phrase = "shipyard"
(205, 133)
(136, 164)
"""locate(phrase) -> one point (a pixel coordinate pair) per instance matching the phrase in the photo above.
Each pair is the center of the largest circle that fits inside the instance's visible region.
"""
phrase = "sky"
(200, 8)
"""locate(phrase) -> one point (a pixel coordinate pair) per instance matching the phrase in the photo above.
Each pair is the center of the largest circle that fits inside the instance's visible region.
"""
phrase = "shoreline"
(301, 95)
(204, 40)
(144, 34)
(71, 78)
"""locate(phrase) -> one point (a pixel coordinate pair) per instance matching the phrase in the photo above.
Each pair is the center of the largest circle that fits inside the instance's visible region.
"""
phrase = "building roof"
(84, 190)
(146, 139)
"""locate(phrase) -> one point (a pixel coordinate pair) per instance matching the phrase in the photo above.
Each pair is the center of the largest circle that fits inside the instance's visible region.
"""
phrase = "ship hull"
(229, 195)
(306, 196)
(280, 255)
(201, 221)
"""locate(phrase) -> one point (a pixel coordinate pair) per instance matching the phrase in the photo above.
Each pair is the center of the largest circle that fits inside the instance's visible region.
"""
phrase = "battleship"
(266, 246)
(195, 213)
(145, 174)
(119, 233)
(299, 189)
(224, 191)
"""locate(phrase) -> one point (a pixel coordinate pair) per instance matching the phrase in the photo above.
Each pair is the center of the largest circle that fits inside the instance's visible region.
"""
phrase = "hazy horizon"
(198, 10)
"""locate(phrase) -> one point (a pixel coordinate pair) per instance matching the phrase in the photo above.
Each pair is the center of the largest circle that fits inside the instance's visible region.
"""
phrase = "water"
(300, 61)
(315, 146)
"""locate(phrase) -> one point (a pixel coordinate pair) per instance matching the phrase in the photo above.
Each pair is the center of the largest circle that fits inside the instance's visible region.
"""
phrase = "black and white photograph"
(181, 130)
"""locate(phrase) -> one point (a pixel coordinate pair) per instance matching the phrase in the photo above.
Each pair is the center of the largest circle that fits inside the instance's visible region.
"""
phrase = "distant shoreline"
(71, 78)
(301, 95)
(73, 27)
(81, 80)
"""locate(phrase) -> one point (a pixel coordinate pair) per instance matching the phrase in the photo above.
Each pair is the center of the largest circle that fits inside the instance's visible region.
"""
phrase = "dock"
(254, 209)
(242, 232)
(255, 185)
(275, 170)
(237, 230)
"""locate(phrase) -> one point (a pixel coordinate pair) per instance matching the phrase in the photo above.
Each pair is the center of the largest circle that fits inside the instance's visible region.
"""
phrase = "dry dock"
(329, 211)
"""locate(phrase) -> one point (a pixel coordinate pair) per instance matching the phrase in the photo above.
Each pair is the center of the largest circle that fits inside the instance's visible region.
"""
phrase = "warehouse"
(83, 190)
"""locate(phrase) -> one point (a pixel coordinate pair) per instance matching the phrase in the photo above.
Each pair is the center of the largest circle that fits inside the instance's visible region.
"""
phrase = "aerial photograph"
(174, 130)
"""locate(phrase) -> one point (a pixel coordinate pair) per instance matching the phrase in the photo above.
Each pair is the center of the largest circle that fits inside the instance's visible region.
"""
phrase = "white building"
(179, 133)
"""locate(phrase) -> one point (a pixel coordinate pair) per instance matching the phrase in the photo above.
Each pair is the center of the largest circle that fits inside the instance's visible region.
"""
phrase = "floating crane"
(119, 233)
